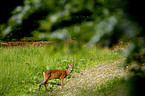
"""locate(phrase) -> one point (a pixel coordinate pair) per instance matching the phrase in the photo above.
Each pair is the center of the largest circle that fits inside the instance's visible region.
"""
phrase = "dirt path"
(88, 78)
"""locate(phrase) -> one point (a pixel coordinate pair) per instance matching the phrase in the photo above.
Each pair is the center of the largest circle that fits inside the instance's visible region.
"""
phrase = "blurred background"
(103, 22)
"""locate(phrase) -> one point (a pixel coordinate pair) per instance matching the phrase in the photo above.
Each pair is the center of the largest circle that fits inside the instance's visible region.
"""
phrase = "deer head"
(71, 66)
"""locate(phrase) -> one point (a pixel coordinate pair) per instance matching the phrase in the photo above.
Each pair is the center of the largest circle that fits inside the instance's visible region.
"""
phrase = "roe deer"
(56, 74)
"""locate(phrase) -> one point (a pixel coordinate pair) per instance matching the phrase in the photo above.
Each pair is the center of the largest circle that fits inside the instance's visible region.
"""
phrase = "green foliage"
(88, 21)
(57, 14)
(116, 86)
(108, 84)
(21, 67)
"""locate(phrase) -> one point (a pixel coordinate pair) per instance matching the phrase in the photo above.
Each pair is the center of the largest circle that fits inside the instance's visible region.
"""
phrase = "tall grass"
(21, 67)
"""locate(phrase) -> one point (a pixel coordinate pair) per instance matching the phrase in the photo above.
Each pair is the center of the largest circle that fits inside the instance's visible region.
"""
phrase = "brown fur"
(55, 74)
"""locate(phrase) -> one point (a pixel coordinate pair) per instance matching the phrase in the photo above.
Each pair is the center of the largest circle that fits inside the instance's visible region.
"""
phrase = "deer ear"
(73, 64)
(68, 64)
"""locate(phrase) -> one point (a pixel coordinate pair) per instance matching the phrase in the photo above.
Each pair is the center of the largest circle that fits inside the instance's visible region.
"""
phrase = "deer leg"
(40, 85)
(44, 82)
(45, 86)
(62, 84)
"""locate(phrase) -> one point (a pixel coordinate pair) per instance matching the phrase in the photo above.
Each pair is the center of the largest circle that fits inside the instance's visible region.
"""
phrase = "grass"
(114, 87)
(100, 80)
(21, 67)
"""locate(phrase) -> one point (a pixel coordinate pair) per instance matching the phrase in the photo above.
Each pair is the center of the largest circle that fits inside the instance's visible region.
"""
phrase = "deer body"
(55, 74)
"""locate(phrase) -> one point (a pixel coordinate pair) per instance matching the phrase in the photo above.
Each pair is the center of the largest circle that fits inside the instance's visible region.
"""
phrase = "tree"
(89, 21)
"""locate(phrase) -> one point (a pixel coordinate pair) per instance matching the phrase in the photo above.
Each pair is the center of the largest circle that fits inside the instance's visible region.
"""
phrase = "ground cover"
(21, 67)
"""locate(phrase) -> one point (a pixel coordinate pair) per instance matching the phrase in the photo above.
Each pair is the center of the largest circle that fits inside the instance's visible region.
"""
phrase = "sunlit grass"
(21, 67)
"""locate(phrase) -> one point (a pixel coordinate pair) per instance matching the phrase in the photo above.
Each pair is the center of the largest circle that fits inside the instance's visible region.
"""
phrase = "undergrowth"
(21, 67)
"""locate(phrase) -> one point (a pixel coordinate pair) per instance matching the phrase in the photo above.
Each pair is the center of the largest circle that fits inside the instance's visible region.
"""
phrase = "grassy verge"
(21, 67)
(105, 79)
(114, 87)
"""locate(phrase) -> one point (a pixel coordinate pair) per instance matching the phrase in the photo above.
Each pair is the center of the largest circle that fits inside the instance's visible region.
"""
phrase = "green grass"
(114, 87)
(21, 67)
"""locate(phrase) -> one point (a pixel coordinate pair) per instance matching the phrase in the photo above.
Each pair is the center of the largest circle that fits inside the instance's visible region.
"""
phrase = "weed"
(21, 67)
